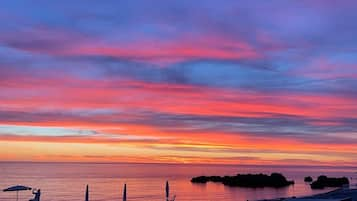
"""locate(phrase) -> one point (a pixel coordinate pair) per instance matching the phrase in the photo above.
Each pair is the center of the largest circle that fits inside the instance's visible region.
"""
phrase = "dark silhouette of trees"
(308, 179)
(247, 180)
(324, 181)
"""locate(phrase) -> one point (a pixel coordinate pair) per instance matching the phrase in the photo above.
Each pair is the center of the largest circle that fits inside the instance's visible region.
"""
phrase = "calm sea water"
(66, 181)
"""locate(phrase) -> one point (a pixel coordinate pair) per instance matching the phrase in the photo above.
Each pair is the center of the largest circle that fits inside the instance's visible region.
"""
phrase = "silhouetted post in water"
(87, 194)
(167, 191)
(124, 193)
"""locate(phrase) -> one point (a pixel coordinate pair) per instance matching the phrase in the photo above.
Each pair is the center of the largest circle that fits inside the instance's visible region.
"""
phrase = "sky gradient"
(239, 82)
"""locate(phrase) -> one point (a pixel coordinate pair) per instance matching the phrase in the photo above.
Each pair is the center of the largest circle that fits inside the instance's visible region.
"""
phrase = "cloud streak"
(218, 83)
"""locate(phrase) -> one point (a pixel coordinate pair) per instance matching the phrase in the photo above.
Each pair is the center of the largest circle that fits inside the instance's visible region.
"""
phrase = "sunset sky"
(179, 81)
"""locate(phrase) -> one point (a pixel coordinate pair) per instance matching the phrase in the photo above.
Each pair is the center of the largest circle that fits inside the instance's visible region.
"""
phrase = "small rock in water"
(324, 181)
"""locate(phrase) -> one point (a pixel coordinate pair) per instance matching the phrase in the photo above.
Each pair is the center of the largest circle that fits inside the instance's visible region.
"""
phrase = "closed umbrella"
(17, 189)
(87, 194)
(124, 193)
(167, 191)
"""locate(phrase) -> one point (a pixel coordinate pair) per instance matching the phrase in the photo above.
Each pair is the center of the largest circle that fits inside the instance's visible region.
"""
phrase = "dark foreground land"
(247, 180)
(339, 194)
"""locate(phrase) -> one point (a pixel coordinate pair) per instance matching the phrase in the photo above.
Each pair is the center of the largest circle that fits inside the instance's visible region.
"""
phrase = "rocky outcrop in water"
(324, 181)
(308, 179)
(247, 180)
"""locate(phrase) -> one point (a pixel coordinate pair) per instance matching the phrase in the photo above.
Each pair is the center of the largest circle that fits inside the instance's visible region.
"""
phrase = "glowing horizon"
(179, 82)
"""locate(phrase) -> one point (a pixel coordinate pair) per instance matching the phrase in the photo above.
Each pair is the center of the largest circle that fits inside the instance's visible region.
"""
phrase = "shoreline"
(339, 193)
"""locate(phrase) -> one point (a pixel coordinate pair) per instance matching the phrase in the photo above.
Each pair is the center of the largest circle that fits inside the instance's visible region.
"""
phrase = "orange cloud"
(118, 98)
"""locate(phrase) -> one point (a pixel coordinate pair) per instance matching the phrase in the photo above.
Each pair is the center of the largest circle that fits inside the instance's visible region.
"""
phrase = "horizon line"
(175, 163)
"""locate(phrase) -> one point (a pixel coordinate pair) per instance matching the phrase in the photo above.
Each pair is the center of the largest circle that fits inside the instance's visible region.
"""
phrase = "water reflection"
(62, 182)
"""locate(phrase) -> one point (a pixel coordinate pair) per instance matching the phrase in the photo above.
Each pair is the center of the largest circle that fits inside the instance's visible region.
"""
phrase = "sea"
(67, 181)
